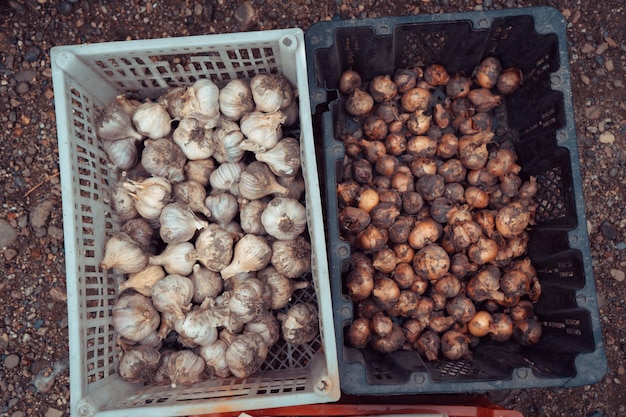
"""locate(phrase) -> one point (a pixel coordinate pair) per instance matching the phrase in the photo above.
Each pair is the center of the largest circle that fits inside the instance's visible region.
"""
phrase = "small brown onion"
(515, 283)
(527, 332)
(418, 123)
(348, 193)
(406, 78)
(485, 285)
(385, 292)
(374, 128)
(402, 179)
(388, 111)
(430, 186)
(509, 81)
(442, 116)
(404, 275)
(436, 74)
(359, 333)
(488, 71)
(396, 144)
(449, 286)
(353, 219)
(382, 88)
(425, 232)
(512, 219)
(384, 214)
(529, 188)
(404, 252)
(359, 283)
(406, 306)
(522, 311)
(461, 308)
(501, 328)
(440, 323)
(415, 99)
(455, 192)
(439, 209)
(412, 328)
(390, 343)
(373, 149)
(455, 345)
(476, 198)
(412, 202)
(401, 228)
(360, 103)
(420, 285)
(362, 171)
(381, 324)
(384, 260)
(448, 146)
(458, 86)
(480, 324)
(349, 81)
(368, 199)
(428, 344)
(431, 262)
(460, 265)
(367, 308)
(421, 166)
(452, 170)
(483, 251)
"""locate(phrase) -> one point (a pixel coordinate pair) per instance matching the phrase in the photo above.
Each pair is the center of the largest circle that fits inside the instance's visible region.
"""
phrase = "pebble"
(22, 88)
(618, 275)
(587, 48)
(32, 53)
(602, 48)
(11, 361)
(244, 16)
(585, 79)
(10, 254)
(608, 230)
(44, 380)
(8, 235)
(593, 112)
(607, 138)
(55, 232)
(40, 213)
(53, 412)
(25, 76)
(18, 414)
(65, 8)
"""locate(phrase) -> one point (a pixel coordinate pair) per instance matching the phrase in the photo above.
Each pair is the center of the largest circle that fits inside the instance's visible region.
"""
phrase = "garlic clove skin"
(213, 248)
(267, 92)
(262, 130)
(282, 288)
(174, 258)
(192, 193)
(183, 368)
(258, 181)
(227, 145)
(267, 326)
(123, 254)
(300, 325)
(283, 159)
(226, 176)
(152, 120)
(235, 99)
(144, 280)
(195, 329)
(215, 359)
(122, 153)
(251, 253)
(199, 171)
(292, 258)
(207, 111)
(134, 316)
(115, 124)
(163, 158)
(123, 203)
(245, 354)
(206, 283)
(174, 100)
(284, 218)
(292, 114)
(249, 299)
(195, 140)
(223, 207)
(173, 294)
(179, 223)
(150, 195)
(138, 364)
(295, 185)
(250, 217)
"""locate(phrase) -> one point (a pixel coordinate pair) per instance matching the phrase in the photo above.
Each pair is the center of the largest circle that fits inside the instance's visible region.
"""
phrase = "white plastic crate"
(88, 77)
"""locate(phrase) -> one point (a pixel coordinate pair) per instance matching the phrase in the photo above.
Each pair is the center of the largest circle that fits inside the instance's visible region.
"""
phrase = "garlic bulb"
(183, 367)
(129, 106)
(284, 218)
(227, 143)
(223, 207)
(173, 294)
(139, 364)
(206, 283)
(246, 353)
(281, 287)
(179, 223)
(175, 101)
(152, 120)
(195, 140)
(226, 176)
(215, 359)
(163, 158)
(207, 109)
(160, 377)
(235, 99)
(151, 195)
(262, 130)
(191, 193)
(213, 248)
(251, 253)
(258, 181)
(123, 203)
(115, 124)
(267, 92)
(295, 185)
(283, 159)
(195, 329)
(122, 153)
(134, 317)
(250, 217)
(292, 258)
(199, 171)
(152, 340)
(174, 258)
(292, 113)
(300, 325)
(144, 280)
(267, 326)
(249, 299)
(123, 254)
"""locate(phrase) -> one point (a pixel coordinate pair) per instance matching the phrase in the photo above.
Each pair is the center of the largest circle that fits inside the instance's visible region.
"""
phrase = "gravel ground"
(34, 378)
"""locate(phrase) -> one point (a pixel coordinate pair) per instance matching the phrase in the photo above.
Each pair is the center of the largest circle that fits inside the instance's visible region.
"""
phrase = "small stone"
(8, 235)
(618, 83)
(40, 213)
(22, 88)
(602, 48)
(58, 294)
(197, 9)
(618, 275)
(10, 254)
(25, 76)
(53, 412)
(585, 79)
(32, 53)
(593, 112)
(55, 232)
(11, 361)
(610, 42)
(245, 15)
(609, 65)
(608, 230)
(18, 414)
(607, 138)
(65, 8)
(587, 48)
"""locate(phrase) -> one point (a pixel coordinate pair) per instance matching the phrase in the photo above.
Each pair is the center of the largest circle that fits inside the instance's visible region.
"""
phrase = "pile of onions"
(433, 205)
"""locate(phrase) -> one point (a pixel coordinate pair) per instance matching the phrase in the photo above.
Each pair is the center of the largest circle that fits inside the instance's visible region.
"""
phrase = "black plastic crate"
(539, 119)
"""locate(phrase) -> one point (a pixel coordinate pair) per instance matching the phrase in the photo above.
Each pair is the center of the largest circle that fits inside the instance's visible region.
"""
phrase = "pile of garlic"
(213, 236)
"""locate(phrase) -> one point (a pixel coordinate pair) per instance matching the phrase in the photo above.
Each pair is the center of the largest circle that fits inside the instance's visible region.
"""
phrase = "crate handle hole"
(555, 80)
(384, 30)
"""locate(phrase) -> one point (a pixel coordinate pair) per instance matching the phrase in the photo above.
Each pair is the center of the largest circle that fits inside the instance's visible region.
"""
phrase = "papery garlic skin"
(258, 181)
(175, 258)
(249, 299)
(214, 356)
(227, 146)
(152, 120)
(129, 106)
(193, 194)
(122, 153)
(251, 253)
(123, 203)
(151, 195)
(195, 140)
(223, 206)
(283, 159)
(284, 218)
(123, 254)
(300, 325)
(226, 176)
(179, 223)
(163, 158)
(292, 258)
(206, 283)
(139, 364)
(235, 99)
(207, 111)
(266, 325)
(195, 329)
(246, 353)
(184, 368)
(115, 124)
(267, 92)
(281, 287)
(173, 294)
(199, 171)
(134, 316)
(144, 280)
(262, 130)
(250, 217)
(213, 248)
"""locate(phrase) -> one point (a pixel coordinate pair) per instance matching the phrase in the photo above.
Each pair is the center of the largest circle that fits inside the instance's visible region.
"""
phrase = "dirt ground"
(34, 379)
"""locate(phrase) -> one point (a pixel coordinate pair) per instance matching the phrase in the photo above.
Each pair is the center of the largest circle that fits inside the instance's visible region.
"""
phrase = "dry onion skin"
(436, 209)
